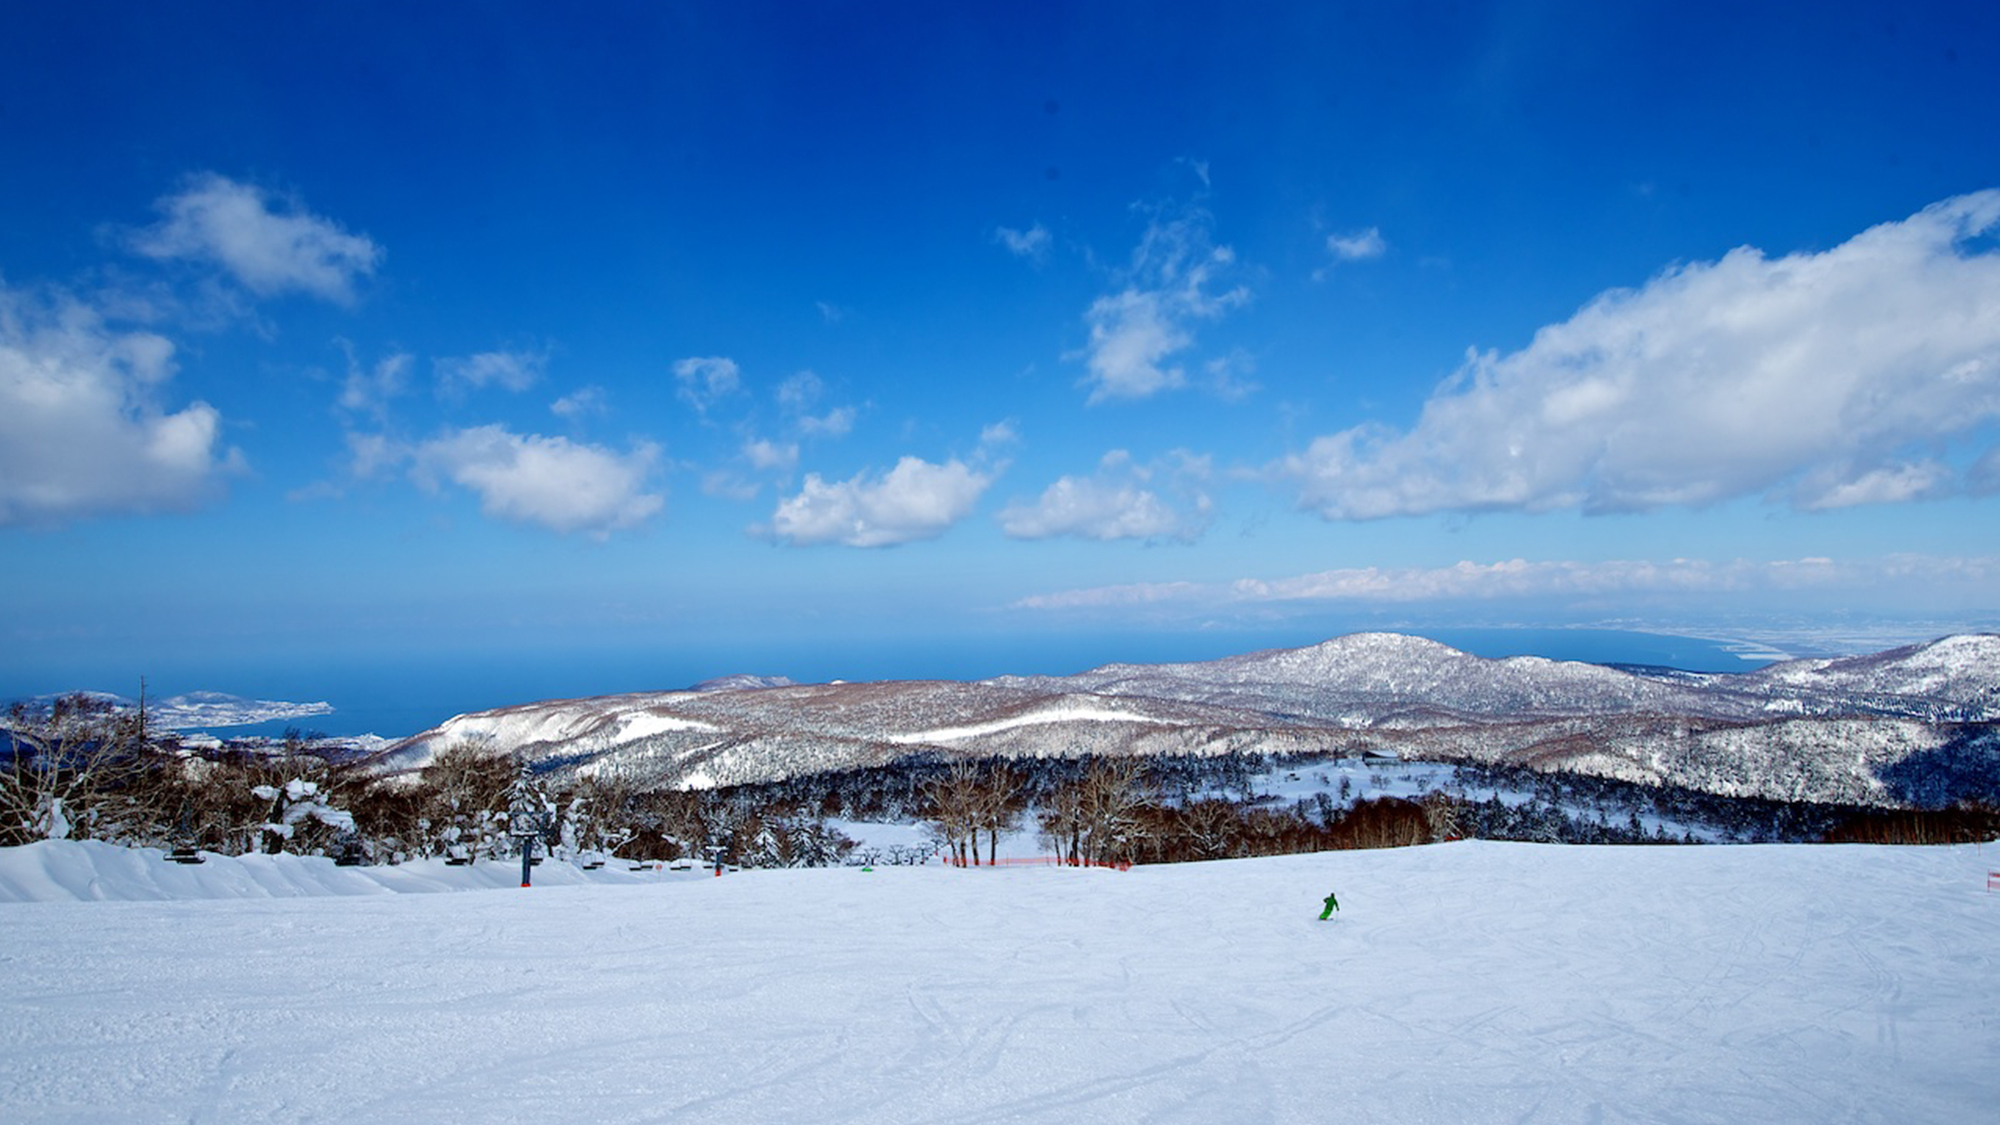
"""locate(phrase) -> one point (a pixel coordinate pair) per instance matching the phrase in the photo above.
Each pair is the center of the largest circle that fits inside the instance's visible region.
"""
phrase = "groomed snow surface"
(1470, 982)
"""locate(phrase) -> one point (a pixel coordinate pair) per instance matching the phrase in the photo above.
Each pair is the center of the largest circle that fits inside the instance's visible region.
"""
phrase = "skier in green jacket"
(1332, 904)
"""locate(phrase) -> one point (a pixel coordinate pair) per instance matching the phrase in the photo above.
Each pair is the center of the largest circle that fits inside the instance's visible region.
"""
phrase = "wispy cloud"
(835, 423)
(373, 456)
(800, 395)
(550, 481)
(513, 371)
(706, 380)
(771, 456)
(267, 246)
(1032, 244)
(1358, 246)
(1530, 579)
(1820, 379)
(370, 389)
(580, 403)
(1121, 500)
(1177, 278)
(84, 429)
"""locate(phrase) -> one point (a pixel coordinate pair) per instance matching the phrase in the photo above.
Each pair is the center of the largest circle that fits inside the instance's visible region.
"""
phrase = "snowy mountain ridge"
(1915, 725)
(1411, 679)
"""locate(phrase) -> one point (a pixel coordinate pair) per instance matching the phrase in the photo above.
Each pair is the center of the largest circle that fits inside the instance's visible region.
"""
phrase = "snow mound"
(93, 871)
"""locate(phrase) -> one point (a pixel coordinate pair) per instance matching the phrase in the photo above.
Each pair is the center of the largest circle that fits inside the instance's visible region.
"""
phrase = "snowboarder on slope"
(1332, 904)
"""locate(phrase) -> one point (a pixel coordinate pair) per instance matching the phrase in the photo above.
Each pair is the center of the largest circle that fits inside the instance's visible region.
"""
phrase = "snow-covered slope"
(728, 737)
(1370, 678)
(1374, 678)
(1469, 983)
(1908, 726)
(1954, 677)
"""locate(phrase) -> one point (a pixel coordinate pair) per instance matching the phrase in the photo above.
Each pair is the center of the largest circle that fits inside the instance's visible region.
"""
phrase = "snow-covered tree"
(296, 808)
(531, 812)
(465, 790)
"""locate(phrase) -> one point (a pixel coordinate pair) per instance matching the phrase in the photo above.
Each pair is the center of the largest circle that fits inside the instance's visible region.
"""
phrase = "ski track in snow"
(1471, 982)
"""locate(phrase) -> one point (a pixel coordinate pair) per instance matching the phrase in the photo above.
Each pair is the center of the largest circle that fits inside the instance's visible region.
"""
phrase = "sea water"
(402, 693)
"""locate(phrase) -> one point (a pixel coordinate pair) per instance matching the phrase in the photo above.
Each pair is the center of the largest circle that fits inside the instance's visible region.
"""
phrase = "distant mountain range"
(200, 709)
(1913, 725)
(1376, 679)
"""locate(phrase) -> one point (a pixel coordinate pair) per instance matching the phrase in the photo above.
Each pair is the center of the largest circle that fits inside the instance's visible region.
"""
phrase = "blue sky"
(737, 331)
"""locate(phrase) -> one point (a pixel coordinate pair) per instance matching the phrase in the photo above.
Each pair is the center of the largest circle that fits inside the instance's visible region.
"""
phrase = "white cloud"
(1229, 376)
(1357, 247)
(267, 250)
(1530, 579)
(706, 380)
(1119, 501)
(998, 434)
(580, 403)
(1819, 378)
(771, 456)
(1032, 244)
(838, 422)
(915, 500)
(82, 427)
(799, 394)
(1522, 578)
(369, 390)
(514, 371)
(1117, 597)
(1174, 281)
(545, 480)
(1890, 484)
(372, 456)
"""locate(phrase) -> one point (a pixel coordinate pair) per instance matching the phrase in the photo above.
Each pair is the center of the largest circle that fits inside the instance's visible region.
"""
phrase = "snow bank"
(88, 870)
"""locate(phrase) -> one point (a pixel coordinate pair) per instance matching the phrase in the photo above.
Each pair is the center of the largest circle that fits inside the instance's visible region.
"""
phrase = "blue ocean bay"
(405, 693)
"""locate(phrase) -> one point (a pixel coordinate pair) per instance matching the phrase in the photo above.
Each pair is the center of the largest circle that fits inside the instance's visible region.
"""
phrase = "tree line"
(80, 768)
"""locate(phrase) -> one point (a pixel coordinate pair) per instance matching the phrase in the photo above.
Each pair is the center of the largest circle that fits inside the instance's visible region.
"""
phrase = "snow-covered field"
(1471, 982)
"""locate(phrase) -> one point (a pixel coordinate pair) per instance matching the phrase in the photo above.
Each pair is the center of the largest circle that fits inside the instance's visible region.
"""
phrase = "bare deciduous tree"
(1095, 818)
(999, 802)
(67, 769)
(952, 806)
